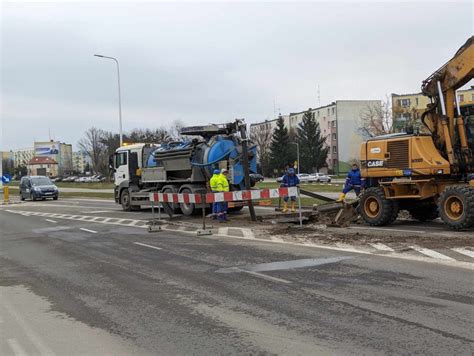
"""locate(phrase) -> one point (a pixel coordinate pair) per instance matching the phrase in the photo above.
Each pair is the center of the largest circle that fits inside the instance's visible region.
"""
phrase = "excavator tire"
(456, 207)
(376, 209)
(424, 211)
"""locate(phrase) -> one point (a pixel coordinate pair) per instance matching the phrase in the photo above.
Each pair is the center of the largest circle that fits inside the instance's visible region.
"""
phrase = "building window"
(416, 100)
(334, 123)
(334, 162)
(472, 97)
(334, 149)
(461, 97)
(334, 137)
(333, 110)
(406, 103)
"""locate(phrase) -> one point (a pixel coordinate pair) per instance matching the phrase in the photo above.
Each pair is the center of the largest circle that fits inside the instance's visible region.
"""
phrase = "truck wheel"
(125, 200)
(424, 211)
(456, 207)
(170, 208)
(376, 209)
(187, 209)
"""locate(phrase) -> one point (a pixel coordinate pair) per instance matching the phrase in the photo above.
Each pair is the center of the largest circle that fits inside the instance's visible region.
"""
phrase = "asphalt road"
(83, 287)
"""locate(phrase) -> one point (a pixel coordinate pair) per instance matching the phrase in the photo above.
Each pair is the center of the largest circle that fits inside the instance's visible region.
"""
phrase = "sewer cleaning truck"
(183, 166)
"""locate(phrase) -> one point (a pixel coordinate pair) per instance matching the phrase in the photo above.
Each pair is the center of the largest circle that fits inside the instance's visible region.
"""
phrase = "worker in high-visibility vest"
(213, 186)
(223, 186)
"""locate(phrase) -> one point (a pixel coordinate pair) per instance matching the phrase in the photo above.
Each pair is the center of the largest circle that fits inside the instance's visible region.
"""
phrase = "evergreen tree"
(313, 150)
(280, 148)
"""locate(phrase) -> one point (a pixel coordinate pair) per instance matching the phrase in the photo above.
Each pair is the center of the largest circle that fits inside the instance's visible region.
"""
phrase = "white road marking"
(91, 231)
(150, 246)
(464, 251)
(97, 211)
(248, 233)
(382, 247)
(276, 239)
(384, 229)
(264, 276)
(223, 231)
(32, 336)
(431, 253)
(53, 221)
(16, 348)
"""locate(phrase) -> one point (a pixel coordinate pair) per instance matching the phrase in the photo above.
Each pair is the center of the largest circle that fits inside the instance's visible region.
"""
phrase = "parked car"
(37, 187)
(305, 178)
(256, 177)
(69, 179)
(320, 177)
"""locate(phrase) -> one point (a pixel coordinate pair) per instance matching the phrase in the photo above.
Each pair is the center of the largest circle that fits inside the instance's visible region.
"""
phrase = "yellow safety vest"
(213, 182)
(222, 183)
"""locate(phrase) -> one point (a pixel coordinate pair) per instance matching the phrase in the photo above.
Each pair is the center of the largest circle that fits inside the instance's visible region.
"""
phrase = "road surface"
(79, 285)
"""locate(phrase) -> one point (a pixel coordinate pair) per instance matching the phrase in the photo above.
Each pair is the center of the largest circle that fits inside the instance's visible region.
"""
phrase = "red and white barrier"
(223, 196)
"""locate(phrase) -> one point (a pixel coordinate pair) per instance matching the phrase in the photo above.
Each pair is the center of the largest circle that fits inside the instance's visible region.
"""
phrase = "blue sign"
(6, 178)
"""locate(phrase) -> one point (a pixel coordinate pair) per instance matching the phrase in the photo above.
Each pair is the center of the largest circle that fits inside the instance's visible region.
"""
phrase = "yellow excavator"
(429, 173)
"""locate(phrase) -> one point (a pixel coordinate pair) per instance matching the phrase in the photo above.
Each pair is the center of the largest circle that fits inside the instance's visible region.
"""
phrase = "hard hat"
(291, 170)
(216, 171)
(223, 170)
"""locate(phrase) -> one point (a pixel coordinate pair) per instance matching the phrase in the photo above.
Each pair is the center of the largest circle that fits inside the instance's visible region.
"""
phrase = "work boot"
(285, 207)
(342, 196)
(293, 206)
(226, 219)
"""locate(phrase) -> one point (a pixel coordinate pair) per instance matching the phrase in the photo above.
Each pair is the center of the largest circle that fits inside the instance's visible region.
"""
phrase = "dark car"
(37, 187)
(257, 177)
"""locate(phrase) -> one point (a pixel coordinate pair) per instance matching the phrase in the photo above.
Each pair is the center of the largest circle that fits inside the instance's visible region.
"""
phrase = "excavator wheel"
(376, 209)
(424, 211)
(456, 206)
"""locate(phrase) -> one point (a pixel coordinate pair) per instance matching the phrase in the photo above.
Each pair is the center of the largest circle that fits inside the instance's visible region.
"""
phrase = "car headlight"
(37, 189)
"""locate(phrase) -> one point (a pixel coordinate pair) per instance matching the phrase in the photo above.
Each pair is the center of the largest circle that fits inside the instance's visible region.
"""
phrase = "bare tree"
(376, 120)
(92, 145)
(261, 135)
(159, 135)
(175, 129)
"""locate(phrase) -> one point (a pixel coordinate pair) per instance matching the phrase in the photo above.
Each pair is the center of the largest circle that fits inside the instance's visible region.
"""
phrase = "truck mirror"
(111, 162)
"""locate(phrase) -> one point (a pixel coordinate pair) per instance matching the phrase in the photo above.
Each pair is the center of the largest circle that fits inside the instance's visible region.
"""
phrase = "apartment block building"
(79, 162)
(339, 123)
(22, 156)
(60, 152)
(409, 107)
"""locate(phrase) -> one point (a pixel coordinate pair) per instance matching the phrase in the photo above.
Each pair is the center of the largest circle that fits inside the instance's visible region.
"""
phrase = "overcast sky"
(204, 62)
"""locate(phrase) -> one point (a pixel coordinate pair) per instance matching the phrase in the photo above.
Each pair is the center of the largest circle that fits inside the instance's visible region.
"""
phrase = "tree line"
(99, 145)
(277, 149)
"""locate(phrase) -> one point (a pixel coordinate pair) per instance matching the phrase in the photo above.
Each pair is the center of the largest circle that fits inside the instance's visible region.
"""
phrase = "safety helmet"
(216, 171)
(223, 170)
(291, 170)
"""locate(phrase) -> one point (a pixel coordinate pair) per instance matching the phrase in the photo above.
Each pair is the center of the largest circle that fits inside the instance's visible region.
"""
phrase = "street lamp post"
(119, 94)
(297, 154)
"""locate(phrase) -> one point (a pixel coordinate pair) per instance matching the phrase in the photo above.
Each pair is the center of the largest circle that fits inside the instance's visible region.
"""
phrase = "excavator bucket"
(339, 214)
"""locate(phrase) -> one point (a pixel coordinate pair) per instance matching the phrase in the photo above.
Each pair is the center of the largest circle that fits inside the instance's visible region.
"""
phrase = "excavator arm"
(440, 117)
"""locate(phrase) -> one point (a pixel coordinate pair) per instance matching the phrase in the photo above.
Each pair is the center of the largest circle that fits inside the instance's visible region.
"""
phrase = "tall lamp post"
(119, 94)
(297, 154)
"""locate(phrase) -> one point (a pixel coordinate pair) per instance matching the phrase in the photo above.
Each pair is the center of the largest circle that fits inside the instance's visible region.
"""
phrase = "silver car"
(320, 177)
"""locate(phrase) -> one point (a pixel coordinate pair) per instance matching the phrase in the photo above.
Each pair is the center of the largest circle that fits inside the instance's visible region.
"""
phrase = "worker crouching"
(353, 182)
(290, 179)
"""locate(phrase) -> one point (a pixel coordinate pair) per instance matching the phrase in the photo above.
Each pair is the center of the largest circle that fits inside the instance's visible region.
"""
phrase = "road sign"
(6, 178)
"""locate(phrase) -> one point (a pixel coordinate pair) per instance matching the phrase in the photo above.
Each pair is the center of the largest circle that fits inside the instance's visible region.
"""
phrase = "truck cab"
(126, 163)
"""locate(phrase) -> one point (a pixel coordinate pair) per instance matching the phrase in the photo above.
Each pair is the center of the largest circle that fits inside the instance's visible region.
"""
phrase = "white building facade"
(339, 123)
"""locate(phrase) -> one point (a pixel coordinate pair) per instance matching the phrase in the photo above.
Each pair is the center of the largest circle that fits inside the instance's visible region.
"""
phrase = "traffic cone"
(342, 196)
